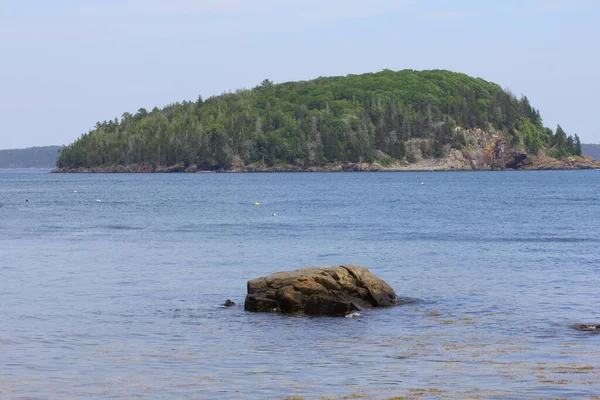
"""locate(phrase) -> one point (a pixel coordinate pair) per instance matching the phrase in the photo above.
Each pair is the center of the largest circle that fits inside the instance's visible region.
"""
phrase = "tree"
(560, 142)
(570, 145)
(218, 147)
(266, 83)
(577, 146)
(142, 113)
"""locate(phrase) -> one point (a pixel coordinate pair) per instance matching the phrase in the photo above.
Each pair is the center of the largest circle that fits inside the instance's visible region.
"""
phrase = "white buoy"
(422, 183)
(74, 191)
(98, 201)
(274, 214)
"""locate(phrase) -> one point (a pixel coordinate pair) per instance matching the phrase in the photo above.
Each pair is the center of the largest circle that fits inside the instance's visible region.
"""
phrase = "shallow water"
(121, 298)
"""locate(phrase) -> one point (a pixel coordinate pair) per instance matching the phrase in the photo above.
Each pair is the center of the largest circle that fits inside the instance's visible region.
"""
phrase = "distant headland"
(29, 158)
(591, 150)
(384, 121)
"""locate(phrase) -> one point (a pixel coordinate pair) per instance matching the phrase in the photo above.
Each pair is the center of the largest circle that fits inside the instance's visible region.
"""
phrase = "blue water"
(121, 298)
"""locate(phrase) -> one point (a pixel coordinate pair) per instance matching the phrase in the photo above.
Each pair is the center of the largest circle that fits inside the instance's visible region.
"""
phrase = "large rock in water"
(319, 291)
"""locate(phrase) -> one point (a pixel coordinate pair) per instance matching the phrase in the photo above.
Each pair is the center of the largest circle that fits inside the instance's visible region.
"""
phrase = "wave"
(483, 239)
(120, 227)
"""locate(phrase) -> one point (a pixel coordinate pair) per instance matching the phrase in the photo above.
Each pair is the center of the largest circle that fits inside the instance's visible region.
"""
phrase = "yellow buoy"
(256, 203)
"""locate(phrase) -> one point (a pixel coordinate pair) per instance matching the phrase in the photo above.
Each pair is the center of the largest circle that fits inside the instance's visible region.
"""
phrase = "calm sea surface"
(111, 285)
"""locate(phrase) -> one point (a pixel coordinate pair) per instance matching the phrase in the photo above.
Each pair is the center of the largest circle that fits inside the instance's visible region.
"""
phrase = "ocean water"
(111, 286)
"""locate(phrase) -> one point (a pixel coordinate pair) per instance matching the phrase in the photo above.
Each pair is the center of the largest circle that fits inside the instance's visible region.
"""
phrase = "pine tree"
(577, 145)
(570, 145)
(560, 142)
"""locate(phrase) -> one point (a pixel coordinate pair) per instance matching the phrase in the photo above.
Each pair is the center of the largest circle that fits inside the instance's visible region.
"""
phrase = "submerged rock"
(334, 291)
(587, 327)
(229, 303)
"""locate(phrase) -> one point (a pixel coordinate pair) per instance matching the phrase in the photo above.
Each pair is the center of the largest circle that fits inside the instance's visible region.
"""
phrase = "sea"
(112, 285)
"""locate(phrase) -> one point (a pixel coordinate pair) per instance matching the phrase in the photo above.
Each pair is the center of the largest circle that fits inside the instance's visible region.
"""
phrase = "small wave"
(549, 240)
(408, 300)
(120, 227)
(583, 199)
(325, 255)
(463, 238)
(52, 229)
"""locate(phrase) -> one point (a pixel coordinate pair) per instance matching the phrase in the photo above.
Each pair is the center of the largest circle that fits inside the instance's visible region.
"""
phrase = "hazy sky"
(66, 64)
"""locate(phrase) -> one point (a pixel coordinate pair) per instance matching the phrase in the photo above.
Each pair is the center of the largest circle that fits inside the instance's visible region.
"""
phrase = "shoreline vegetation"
(386, 121)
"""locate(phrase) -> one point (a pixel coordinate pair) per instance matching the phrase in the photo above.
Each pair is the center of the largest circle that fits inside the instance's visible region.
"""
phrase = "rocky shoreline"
(451, 163)
(487, 151)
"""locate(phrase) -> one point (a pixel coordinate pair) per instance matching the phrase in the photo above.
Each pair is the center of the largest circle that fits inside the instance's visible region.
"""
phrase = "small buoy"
(422, 183)
(256, 203)
(26, 200)
(98, 201)
(74, 191)
(274, 214)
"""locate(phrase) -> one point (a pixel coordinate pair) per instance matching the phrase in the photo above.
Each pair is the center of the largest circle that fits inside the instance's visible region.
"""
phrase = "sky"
(66, 64)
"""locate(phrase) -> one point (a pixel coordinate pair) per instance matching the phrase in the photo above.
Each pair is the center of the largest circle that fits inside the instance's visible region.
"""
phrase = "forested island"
(31, 157)
(420, 120)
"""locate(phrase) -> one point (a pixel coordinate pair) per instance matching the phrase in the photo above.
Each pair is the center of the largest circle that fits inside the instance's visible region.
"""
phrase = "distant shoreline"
(50, 169)
(29, 158)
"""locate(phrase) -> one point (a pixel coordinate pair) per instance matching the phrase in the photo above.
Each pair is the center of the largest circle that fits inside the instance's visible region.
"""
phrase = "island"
(384, 121)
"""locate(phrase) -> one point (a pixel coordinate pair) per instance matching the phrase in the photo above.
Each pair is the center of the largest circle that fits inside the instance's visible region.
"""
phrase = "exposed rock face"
(332, 291)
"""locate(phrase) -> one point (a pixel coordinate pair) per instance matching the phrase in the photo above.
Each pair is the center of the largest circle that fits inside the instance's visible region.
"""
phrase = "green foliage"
(564, 146)
(326, 120)
(560, 143)
(577, 146)
(534, 137)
